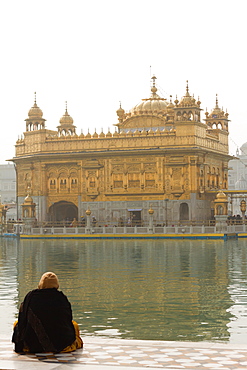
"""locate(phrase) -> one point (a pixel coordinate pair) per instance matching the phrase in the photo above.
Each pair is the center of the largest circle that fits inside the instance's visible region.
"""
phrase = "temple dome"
(154, 104)
(66, 119)
(216, 112)
(187, 99)
(35, 111)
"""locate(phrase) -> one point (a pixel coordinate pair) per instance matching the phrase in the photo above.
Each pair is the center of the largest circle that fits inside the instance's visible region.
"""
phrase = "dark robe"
(44, 322)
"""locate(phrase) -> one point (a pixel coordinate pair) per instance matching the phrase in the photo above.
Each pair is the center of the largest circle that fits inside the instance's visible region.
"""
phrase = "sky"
(95, 54)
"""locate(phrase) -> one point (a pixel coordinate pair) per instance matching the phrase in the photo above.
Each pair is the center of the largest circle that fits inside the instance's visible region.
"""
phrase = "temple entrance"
(135, 217)
(184, 212)
(63, 211)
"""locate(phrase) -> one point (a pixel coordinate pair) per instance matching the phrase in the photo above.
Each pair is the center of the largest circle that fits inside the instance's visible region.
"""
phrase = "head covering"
(48, 280)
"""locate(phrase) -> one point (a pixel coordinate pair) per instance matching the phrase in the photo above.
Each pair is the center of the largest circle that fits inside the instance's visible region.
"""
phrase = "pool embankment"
(224, 236)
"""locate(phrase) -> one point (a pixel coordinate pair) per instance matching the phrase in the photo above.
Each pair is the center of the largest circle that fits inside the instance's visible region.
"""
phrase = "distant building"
(237, 177)
(162, 153)
(8, 189)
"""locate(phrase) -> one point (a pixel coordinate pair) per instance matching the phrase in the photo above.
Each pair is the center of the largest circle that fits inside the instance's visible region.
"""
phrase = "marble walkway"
(106, 354)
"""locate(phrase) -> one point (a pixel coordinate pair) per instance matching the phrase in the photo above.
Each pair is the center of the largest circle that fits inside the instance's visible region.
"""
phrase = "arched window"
(220, 210)
(183, 212)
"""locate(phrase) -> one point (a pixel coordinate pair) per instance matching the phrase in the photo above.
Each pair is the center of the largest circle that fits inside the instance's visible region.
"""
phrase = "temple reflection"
(141, 289)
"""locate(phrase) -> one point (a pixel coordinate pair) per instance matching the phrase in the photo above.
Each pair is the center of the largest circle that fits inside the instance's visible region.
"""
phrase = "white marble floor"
(106, 354)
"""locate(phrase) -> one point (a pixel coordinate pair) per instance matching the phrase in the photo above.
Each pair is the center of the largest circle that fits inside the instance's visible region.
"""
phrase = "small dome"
(170, 105)
(187, 99)
(28, 199)
(66, 119)
(221, 195)
(35, 111)
(216, 111)
(120, 111)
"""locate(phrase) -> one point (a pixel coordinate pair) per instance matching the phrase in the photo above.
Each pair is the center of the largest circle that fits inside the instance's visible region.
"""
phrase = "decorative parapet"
(51, 142)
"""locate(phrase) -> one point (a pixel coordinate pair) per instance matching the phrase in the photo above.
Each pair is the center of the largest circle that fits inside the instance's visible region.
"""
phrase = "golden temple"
(161, 153)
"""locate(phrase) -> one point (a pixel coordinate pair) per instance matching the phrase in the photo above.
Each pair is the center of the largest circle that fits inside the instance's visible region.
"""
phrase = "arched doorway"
(184, 212)
(63, 211)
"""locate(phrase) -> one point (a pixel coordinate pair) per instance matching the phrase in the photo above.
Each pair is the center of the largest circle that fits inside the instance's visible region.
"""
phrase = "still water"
(141, 289)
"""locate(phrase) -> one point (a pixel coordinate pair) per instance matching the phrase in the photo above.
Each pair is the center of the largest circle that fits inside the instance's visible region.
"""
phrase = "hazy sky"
(94, 54)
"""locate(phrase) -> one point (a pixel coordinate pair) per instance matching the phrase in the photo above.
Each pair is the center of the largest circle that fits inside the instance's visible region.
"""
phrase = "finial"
(170, 98)
(176, 101)
(216, 105)
(66, 106)
(154, 88)
(187, 86)
(120, 106)
(35, 98)
(28, 190)
(153, 78)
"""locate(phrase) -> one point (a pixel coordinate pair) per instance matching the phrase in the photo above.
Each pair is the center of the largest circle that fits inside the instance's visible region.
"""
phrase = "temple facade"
(162, 154)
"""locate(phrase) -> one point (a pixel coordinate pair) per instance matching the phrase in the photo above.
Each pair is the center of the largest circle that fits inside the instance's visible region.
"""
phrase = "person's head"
(48, 280)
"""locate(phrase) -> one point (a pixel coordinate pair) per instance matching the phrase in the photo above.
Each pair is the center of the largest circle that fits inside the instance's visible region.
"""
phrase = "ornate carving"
(117, 168)
(150, 166)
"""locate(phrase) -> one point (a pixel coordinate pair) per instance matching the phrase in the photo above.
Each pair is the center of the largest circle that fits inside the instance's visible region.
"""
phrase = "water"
(139, 289)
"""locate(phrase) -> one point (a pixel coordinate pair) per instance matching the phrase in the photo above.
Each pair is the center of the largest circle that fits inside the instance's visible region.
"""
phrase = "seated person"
(45, 320)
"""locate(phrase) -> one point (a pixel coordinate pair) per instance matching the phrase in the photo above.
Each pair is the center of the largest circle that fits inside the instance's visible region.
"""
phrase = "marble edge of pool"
(135, 342)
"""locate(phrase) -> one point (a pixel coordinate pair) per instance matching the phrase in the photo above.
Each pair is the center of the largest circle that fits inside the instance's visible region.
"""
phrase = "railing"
(169, 227)
(115, 223)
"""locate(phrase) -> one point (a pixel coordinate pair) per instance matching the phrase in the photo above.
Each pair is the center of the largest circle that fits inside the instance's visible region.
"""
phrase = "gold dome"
(28, 199)
(66, 119)
(216, 112)
(187, 100)
(221, 195)
(120, 111)
(155, 104)
(35, 111)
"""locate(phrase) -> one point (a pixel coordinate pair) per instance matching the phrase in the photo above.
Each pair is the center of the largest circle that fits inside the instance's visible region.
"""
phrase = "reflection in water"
(8, 285)
(141, 289)
(238, 291)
